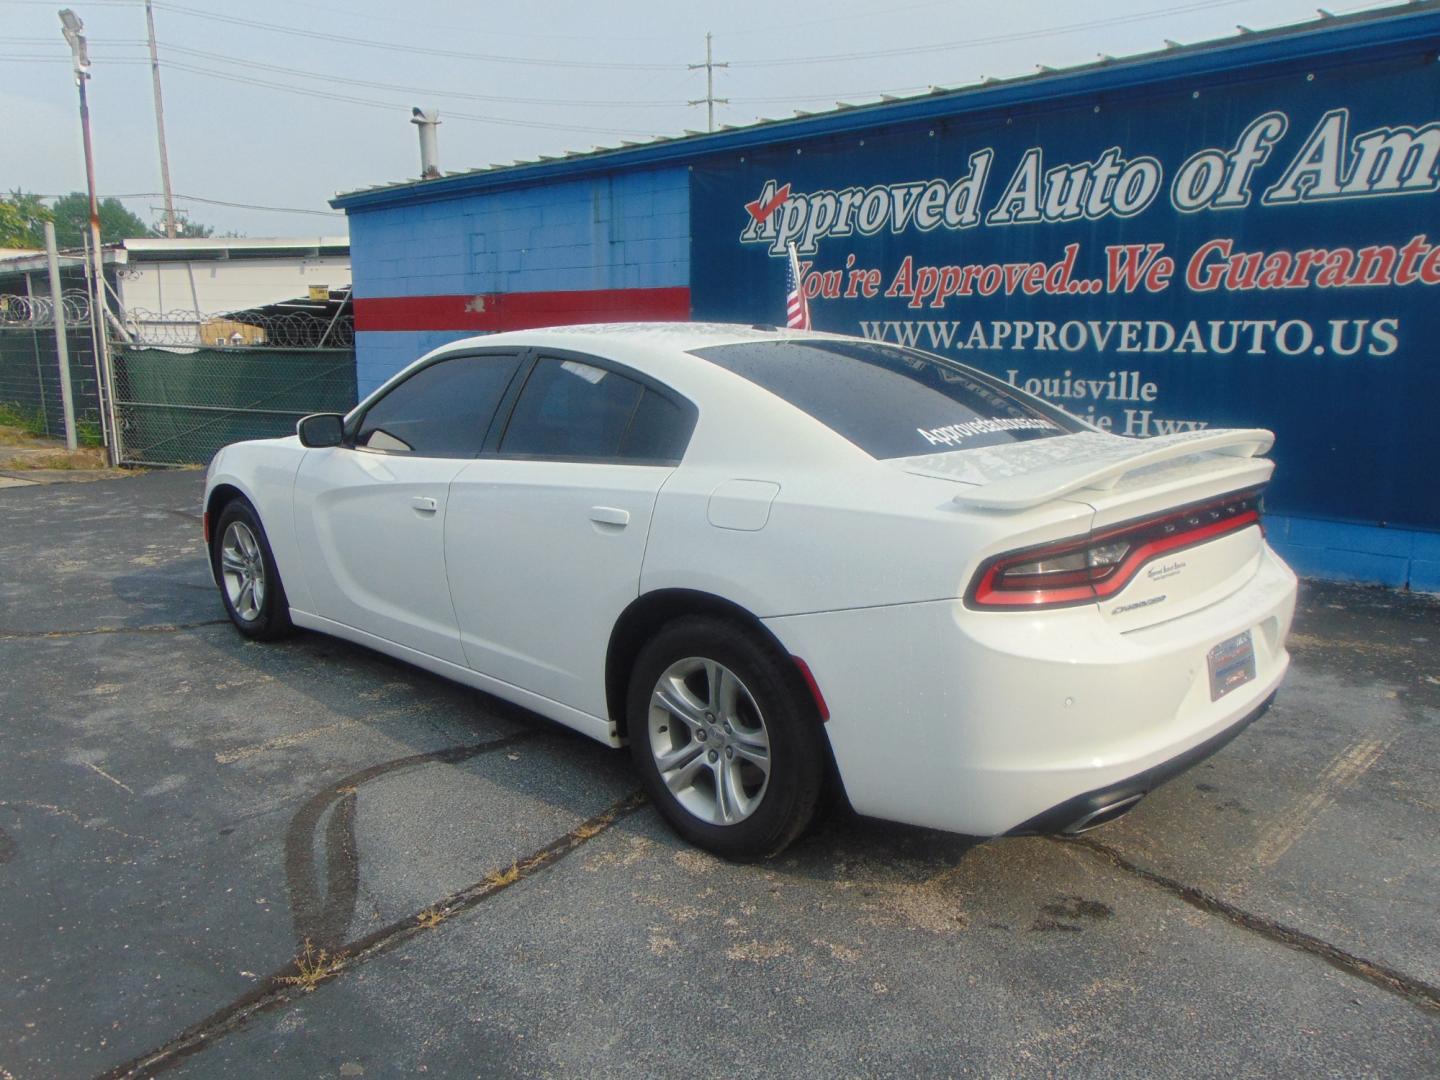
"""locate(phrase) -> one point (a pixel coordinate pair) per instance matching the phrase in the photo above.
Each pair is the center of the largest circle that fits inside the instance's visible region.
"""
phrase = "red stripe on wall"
(519, 311)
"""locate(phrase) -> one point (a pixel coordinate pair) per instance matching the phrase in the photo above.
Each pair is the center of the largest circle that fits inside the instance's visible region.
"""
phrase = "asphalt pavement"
(223, 858)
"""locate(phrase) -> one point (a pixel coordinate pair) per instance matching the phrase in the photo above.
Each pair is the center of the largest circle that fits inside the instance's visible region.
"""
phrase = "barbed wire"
(239, 329)
(186, 328)
(38, 312)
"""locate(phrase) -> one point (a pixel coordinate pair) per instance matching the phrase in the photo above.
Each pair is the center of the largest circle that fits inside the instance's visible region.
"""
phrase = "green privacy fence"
(179, 406)
(30, 379)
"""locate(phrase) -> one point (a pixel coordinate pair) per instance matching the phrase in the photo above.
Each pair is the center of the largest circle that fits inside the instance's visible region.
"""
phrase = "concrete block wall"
(1361, 553)
(422, 269)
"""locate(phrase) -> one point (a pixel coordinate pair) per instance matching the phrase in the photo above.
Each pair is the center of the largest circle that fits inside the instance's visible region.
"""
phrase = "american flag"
(797, 309)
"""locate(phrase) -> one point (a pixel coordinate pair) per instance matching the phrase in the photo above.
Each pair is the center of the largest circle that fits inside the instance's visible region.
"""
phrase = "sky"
(283, 103)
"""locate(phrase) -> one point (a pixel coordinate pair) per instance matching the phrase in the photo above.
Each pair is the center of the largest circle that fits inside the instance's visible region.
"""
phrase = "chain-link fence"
(30, 369)
(184, 383)
(179, 407)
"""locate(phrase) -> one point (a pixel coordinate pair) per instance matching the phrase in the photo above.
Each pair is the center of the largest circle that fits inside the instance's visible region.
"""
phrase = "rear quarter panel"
(844, 530)
(843, 537)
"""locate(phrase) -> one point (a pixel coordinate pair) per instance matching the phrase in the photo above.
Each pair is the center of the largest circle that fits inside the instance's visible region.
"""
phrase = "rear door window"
(892, 402)
(571, 410)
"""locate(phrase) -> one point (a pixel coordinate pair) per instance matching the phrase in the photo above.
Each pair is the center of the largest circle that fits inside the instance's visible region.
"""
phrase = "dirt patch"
(759, 950)
(40, 458)
(18, 459)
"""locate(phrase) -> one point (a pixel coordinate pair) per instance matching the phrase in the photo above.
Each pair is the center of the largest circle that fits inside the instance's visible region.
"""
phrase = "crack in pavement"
(288, 984)
(1416, 991)
(158, 628)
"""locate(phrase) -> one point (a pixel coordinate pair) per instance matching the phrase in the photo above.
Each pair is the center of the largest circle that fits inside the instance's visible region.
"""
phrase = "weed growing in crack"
(313, 966)
(500, 878)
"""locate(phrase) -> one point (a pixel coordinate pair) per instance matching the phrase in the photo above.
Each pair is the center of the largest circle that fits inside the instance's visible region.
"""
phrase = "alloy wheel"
(709, 741)
(243, 568)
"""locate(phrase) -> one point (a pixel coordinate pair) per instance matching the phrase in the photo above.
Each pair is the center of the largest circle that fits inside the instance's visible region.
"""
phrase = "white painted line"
(107, 776)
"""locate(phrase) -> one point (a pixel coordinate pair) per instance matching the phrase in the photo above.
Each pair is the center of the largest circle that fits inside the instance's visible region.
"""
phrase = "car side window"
(443, 410)
(659, 430)
(573, 410)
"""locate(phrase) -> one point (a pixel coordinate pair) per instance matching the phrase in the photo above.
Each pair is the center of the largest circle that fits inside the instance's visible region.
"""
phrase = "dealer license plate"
(1232, 664)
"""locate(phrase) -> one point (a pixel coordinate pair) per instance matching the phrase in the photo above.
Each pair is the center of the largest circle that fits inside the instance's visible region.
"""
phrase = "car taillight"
(1083, 570)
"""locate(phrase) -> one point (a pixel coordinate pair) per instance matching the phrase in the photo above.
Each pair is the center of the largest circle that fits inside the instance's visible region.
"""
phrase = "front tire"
(727, 744)
(250, 585)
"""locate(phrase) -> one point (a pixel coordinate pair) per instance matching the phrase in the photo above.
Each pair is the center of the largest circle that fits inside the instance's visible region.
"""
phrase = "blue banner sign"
(1249, 249)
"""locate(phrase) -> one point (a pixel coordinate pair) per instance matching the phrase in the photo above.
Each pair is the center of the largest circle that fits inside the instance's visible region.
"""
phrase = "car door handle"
(609, 515)
(424, 504)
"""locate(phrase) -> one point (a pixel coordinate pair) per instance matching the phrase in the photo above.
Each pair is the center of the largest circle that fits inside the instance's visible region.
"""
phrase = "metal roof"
(197, 249)
(233, 247)
(1325, 38)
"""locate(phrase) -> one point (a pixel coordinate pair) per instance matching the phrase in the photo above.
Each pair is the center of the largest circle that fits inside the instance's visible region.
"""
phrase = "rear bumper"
(1094, 808)
(983, 724)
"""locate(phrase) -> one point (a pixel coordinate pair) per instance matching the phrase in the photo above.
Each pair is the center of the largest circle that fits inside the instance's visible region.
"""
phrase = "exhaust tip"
(1095, 818)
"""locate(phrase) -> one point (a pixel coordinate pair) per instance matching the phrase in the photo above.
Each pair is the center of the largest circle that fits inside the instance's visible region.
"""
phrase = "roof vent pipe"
(427, 120)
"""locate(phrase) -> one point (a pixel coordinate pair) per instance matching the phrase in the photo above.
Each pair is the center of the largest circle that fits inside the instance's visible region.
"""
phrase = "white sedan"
(770, 561)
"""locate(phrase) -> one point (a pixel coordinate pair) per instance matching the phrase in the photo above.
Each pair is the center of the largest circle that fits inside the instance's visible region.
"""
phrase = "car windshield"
(892, 402)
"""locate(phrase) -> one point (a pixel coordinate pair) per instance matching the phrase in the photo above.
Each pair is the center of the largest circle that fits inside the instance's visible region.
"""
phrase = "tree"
(72, 221)
(13, 233)
(22, 220)
(23, 215)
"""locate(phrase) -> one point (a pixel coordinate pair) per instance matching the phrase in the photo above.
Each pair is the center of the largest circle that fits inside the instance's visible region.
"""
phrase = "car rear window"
(892, 402)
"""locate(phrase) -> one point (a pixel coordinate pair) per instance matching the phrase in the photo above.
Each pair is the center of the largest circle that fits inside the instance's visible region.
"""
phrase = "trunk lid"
(1180, 481)
(1189, 578)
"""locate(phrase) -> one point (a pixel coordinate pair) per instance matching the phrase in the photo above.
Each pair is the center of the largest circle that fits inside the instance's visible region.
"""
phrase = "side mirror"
(321, 429)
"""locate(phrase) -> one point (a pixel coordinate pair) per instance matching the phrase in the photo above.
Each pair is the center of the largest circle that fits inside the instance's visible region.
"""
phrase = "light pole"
(74, 30)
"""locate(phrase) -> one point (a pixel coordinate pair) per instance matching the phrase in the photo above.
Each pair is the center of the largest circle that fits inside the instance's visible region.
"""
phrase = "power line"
(350, 13)
(994, 39)
(500, 99)
(389, 105)
(223, 202)
(66, 61)
(390, 46)
(349, 99)
(496, 98)
(209, 202)
(51, 41)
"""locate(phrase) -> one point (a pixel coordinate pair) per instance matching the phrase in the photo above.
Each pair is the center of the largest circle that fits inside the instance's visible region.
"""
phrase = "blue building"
(1242, 233)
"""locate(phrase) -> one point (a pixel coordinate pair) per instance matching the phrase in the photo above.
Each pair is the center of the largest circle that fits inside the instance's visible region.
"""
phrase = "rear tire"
(250, 585)
(727, 743)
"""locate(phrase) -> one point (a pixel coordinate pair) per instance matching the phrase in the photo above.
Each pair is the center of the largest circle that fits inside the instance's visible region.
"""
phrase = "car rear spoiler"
(1099, 460)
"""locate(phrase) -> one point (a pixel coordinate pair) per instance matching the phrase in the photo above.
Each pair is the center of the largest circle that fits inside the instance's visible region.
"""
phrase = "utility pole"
(73, 29)
(709, 100)
(160, 124)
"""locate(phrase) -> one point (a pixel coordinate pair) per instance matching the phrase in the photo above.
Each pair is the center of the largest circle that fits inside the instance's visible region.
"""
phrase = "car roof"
(682, 336)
